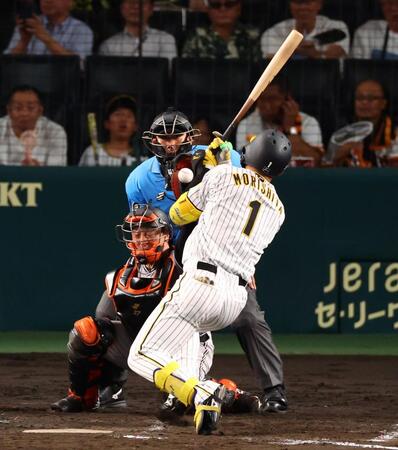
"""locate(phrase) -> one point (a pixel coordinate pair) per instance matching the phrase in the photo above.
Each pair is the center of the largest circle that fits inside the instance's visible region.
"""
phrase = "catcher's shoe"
(72, 403)
(274, 400)
(237, 400)
(245, 402)
(208, 413)
(112, 397)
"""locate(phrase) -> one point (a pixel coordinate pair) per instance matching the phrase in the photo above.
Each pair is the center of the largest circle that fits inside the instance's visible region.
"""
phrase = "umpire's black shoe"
(71, 404)
(208, 413)
(274, 400)
(112, 397)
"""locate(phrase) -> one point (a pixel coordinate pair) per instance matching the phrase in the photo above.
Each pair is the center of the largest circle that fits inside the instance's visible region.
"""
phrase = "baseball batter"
(239, 214)
(170, 137)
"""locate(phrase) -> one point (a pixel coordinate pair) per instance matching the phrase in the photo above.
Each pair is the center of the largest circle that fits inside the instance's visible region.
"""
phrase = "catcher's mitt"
(181, 161)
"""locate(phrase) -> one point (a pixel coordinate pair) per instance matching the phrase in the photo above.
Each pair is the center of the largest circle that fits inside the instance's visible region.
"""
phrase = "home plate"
(69, 431)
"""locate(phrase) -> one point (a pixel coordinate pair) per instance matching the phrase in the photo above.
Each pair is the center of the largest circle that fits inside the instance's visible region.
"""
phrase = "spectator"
(99, 16)
(276, 108)
(197, 5)
(202, 124)
(307, 21)
(225, 37)
(378, 39)
(123, 145)
(371, 105)
(155, 42)
(27, 137)
(55, 32)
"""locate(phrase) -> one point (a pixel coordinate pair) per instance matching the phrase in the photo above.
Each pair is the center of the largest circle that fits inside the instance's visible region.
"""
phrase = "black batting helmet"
(170, 123)
(269, 153)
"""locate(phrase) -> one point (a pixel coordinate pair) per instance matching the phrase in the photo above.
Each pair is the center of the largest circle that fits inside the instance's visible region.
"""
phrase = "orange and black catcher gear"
(146, 231)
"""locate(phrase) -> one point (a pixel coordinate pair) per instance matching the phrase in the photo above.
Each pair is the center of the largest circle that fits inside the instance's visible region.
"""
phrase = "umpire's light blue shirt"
(146, 183)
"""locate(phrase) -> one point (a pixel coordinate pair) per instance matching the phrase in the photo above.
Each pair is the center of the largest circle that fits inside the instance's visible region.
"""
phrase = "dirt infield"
(335, 402)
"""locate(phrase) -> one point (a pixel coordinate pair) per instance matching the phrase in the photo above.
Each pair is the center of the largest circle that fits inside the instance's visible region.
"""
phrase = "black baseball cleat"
(172, 411)
(112, 397)
(70, 404)
(274, 400)
(207, 414)
(245, 402)
(236, 402)
(228, 401)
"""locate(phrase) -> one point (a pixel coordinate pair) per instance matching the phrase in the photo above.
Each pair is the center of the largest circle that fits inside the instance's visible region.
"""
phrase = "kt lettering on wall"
(360, 296)
(16, 194)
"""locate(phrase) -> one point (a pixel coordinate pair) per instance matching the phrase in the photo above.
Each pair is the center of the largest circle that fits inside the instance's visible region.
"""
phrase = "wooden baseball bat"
(280, 58)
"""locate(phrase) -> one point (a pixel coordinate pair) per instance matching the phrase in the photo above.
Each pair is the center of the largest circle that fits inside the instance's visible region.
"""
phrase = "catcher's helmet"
(168, 124)
(146, 231)
(269, 153)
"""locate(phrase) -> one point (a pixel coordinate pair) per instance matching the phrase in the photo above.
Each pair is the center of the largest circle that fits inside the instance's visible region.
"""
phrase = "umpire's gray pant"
(255, 337)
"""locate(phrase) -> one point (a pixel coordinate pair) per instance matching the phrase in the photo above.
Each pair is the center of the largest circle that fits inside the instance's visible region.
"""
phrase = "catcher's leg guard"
(167, 382)
(88, 341)
(90, 337)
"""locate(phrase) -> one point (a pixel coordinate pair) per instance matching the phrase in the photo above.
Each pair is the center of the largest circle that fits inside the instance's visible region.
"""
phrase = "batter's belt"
(213, 269)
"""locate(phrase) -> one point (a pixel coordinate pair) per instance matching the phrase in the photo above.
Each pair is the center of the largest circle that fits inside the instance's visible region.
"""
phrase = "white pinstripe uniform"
(241, 215)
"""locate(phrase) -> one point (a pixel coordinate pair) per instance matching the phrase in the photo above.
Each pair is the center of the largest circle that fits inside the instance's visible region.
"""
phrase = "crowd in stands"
(26, 136)
(122, 145)
(123, 28)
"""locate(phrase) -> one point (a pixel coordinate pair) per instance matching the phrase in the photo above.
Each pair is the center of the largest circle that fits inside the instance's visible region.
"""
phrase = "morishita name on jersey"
(258, 183)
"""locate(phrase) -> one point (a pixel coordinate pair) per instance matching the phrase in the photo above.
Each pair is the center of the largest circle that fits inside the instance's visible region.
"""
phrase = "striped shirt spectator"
(28, 138)
(155, 43)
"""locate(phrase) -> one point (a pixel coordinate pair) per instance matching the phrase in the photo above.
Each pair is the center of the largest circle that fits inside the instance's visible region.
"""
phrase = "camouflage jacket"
(244, 44)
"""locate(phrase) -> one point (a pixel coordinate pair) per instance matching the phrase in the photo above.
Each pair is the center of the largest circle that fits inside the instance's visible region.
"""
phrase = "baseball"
(185, 175)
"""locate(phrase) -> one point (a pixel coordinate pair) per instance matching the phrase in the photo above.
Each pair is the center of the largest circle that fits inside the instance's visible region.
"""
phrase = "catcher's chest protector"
(136, 297)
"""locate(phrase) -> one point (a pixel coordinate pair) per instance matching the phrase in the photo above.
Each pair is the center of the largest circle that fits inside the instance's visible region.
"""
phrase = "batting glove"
(221, 149)
(209, 160)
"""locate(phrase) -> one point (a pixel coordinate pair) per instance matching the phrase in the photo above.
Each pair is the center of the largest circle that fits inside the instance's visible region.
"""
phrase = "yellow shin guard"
(199, 418)
(167, 382)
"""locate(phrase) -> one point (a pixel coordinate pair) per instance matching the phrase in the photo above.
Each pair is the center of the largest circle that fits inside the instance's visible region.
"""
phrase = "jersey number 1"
(255, 208)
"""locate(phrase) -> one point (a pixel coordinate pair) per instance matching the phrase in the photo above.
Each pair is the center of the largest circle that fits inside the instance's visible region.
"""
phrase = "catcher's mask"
(146, 232)
(168, 125)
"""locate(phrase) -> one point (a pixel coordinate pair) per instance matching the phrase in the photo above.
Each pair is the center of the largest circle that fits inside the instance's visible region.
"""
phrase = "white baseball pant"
(199, 301)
